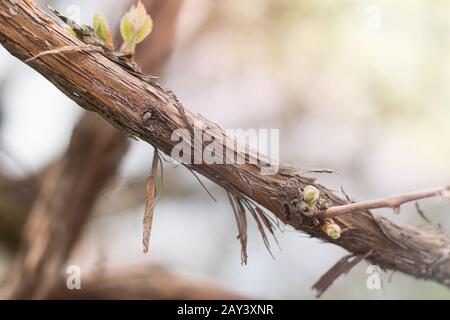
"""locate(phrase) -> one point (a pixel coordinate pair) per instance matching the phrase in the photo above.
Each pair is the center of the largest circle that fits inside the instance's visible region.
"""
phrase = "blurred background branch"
(146, 282)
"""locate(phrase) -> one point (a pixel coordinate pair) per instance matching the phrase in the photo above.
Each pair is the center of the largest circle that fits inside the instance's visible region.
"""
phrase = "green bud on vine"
(70, 30)
(332, 229)
(311, 195)
(135, 26)
(102, 29)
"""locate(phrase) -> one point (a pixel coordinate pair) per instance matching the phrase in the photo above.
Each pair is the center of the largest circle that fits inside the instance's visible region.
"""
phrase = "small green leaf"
(70, 30)
(135, 26)
(145, 30)
(126, 31)
(102, 29)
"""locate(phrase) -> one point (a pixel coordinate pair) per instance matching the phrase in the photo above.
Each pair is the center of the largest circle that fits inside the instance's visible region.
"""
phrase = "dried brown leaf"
(344, 265)
(150, 202)
(259, 224)
(242, 229)
(269, 225)
(241, 223)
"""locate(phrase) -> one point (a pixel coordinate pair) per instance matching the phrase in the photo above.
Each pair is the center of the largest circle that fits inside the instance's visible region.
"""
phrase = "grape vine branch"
(123, 98)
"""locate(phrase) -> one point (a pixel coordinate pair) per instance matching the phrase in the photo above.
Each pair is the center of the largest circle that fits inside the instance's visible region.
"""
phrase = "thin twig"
(345, 194)
(393, 202)
(201, 183)
(421, 213)
(85, 48)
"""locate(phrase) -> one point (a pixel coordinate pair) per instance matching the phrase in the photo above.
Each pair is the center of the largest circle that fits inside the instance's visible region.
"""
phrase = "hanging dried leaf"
(241, 223)
(242, 230)
(259, 224)
(269, 224)
(150, 203)
(344, 265)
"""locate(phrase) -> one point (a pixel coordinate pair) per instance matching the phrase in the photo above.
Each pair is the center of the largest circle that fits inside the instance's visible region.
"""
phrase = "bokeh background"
(361, 87)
